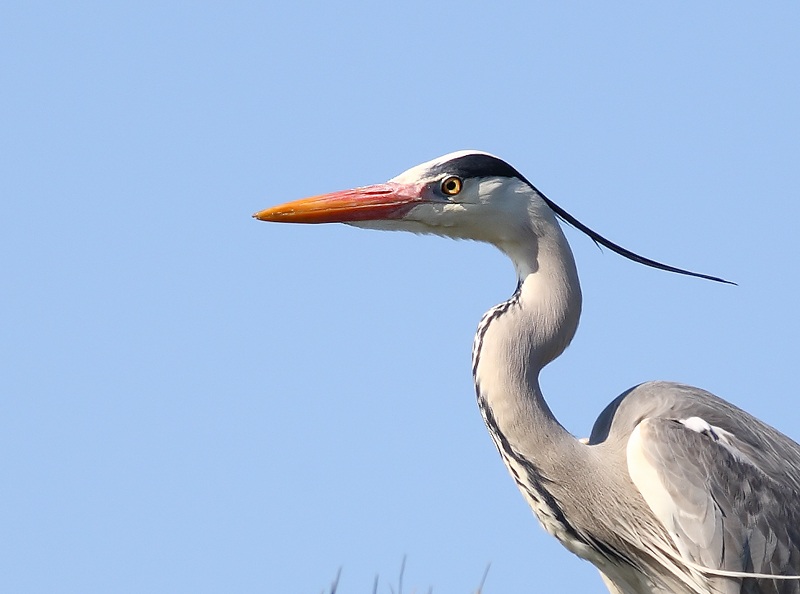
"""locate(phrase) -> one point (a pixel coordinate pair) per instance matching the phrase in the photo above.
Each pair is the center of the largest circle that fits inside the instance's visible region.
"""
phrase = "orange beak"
(369, 203)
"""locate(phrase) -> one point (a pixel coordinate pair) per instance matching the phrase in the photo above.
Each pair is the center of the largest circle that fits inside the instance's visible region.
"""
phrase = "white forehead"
(421, 171)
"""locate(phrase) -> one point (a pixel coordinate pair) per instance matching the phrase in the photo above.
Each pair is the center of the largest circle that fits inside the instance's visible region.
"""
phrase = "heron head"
(464, 195)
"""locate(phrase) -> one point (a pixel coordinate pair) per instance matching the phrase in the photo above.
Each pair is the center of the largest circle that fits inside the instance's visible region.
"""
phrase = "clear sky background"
(194, 401)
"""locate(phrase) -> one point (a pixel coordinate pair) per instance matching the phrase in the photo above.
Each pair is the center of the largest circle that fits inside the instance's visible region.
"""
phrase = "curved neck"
(517, 338)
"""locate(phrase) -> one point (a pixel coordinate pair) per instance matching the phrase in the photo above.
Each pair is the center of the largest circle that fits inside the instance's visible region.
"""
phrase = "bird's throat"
(518, 338)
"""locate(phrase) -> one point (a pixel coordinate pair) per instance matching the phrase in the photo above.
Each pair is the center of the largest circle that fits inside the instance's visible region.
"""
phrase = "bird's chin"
(396, 225)
(420, 228)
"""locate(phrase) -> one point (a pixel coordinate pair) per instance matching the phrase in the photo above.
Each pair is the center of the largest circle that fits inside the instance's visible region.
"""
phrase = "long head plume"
(625, 253)
(417, 200)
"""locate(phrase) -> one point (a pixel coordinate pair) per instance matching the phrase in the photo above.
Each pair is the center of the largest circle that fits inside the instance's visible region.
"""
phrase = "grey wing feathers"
(725, 512)
(729, 494)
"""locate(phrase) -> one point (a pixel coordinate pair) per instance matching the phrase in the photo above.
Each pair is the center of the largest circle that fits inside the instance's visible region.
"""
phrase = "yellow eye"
(452, 185)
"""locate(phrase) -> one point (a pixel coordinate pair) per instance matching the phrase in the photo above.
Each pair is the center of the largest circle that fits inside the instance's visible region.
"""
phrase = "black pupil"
(451, 185)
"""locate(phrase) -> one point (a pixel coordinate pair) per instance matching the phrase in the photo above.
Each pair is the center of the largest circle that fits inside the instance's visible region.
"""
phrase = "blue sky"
(193, 401)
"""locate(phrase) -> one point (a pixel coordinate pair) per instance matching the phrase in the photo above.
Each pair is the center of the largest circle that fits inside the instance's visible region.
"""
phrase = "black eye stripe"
(476, 165)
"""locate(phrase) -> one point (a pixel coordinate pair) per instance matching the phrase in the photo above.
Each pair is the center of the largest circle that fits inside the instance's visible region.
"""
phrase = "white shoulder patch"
(718, 434)
(700, 425)
(697, 424)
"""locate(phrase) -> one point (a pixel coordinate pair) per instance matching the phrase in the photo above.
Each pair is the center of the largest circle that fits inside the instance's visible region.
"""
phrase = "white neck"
(517, 338)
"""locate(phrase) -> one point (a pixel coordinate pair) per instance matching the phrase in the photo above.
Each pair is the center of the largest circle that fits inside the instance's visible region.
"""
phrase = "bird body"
(675, 490)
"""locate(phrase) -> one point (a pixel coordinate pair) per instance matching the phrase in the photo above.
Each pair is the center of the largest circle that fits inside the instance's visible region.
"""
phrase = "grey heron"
(676, 490)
